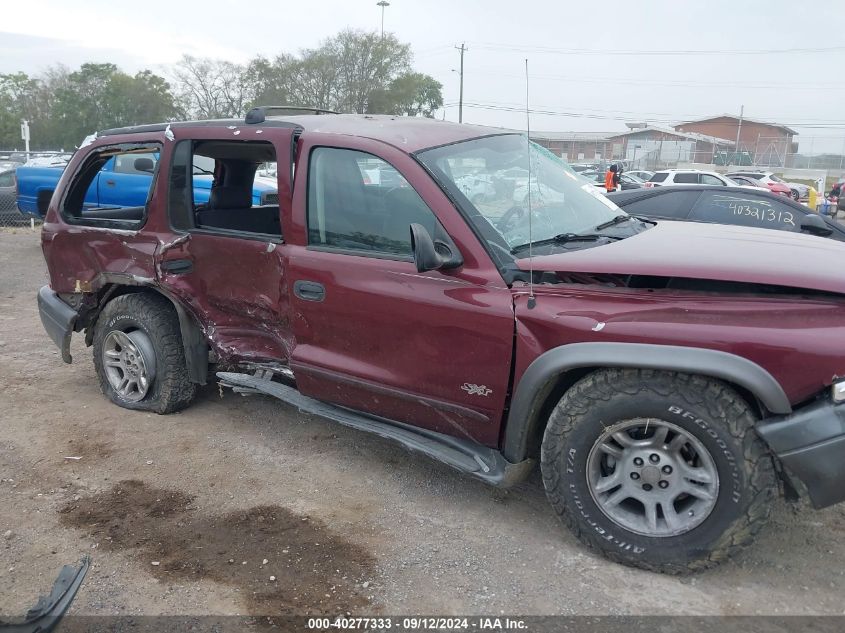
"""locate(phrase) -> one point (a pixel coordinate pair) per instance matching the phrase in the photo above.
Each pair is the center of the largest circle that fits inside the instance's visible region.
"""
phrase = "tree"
(366, 62)
(411, 94)
(212, 89)
(18, 101)
(270, 82)
(99, 96)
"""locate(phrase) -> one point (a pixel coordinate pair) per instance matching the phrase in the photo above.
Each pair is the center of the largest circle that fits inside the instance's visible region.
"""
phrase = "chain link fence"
(10, 215)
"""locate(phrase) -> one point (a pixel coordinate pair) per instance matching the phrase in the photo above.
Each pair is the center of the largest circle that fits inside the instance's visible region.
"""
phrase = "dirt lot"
(193, 513)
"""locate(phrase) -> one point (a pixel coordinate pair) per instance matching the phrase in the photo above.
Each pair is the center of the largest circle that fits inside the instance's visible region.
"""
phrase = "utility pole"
(382, 4)
(463, 49)
(738, 130)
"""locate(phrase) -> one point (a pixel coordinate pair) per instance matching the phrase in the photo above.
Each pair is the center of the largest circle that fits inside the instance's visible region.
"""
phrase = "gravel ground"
(241, 505)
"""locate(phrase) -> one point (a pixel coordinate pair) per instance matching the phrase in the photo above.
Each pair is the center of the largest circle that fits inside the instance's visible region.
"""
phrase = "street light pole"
(382, 4)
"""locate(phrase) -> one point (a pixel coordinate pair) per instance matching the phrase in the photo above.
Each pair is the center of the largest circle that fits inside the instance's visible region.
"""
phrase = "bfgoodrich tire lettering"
(721, 423)
(154, 318)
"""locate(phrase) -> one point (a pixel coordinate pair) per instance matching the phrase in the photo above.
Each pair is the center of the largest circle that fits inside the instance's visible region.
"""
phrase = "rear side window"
(707, 179)
(7, 179)
(686, 179)
(746, 210)
(673, 205)
(658, 177)
(358, 202)
(214, 186)
(99, 195)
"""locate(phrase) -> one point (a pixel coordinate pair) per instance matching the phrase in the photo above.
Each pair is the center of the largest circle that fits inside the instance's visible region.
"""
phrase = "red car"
(670, 377)
(772, 183)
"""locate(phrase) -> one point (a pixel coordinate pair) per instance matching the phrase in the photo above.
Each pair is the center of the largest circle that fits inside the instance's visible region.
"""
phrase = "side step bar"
(467, 456)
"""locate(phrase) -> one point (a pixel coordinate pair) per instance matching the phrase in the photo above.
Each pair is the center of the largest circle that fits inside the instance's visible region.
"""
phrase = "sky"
(592, 66)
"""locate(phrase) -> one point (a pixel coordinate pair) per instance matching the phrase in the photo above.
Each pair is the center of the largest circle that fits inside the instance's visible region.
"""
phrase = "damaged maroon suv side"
(467, 295)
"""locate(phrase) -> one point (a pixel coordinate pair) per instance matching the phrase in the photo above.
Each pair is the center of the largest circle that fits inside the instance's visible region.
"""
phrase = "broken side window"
(113, 186)
(214, 186)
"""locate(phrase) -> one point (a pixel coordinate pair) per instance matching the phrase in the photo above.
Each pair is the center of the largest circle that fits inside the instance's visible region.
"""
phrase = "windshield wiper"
(619, 219)
(564, 238)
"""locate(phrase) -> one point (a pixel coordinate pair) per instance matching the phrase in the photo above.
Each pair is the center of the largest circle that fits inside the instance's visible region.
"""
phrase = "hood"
(712, 251)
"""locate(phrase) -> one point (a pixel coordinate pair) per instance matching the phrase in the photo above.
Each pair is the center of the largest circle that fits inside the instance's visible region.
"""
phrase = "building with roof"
(648, 146)
(575, 147)
(767, 143)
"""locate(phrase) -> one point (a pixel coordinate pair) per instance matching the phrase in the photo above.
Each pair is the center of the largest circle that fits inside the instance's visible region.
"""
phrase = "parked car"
(123, 181)
(12, 160)
(477, 188)
(670, 177)
(666, 375)
(47, 160)
(9, 212)
(727, 205)
(796, 190)
(626, 180)
(744, 181)
(642, 174)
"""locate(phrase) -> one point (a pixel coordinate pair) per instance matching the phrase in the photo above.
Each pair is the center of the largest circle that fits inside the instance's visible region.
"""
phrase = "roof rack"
(259, 113)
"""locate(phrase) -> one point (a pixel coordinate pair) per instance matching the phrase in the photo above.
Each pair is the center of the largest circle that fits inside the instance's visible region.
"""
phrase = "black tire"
(153, 315)
(795, 195)
(706, 409)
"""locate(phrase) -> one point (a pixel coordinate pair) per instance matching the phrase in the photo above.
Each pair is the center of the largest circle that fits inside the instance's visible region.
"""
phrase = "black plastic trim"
(58, 318)
(811, 444)
(475, 459)
(540, 377)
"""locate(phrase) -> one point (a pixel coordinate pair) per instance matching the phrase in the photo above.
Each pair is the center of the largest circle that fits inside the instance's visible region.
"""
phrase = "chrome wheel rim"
(652, 477)
(129, 363)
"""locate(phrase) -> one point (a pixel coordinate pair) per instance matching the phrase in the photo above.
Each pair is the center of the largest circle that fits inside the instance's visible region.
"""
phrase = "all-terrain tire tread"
(721, 403)
(175, 390)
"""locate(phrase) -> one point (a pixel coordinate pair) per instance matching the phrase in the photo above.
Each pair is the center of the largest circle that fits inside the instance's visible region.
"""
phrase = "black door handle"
(309, 290)
(177, 266)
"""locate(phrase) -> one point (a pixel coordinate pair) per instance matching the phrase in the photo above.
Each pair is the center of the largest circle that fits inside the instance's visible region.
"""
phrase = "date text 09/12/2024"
(418, 624)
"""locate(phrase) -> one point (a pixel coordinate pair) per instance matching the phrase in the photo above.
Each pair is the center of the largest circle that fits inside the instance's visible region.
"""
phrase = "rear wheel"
(138, 354)
(795, 195)
(657, 470)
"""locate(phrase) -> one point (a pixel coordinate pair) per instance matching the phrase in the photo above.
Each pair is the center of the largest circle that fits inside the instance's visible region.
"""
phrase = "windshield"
(489, 176)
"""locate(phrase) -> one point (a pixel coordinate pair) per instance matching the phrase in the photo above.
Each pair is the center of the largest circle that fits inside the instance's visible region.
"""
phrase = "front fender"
(537, 382)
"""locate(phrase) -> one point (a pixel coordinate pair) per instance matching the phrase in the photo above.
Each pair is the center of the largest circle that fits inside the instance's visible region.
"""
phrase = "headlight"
(837, 391)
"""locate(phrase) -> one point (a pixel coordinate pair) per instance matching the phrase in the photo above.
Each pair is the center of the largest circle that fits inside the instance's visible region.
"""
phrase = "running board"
(467, 456)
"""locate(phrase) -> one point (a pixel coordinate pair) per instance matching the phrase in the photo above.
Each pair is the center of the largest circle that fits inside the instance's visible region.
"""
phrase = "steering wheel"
(504, 222)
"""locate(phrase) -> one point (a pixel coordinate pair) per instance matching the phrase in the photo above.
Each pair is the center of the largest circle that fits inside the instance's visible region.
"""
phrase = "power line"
(582, 115)
(667, 83)
(674, 116)
(597, 51)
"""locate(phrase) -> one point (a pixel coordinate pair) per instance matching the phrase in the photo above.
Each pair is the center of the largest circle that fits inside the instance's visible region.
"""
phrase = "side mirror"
(815, 225)
(144, 164)
(430, 254)
(42, 201)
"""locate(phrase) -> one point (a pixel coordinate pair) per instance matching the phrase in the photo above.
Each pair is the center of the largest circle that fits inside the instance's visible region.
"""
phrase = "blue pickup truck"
(124, 181)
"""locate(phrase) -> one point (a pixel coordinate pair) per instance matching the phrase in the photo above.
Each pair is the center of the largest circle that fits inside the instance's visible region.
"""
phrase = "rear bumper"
(811, 444)
(58, 318)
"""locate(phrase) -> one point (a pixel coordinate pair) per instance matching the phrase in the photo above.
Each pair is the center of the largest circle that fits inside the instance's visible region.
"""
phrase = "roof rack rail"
(259, 113)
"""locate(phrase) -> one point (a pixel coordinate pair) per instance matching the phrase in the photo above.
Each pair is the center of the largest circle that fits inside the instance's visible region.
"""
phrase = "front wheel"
(795, 195)
(657, 470)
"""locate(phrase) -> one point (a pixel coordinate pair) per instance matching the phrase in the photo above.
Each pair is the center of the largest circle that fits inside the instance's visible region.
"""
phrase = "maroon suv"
(669, 377)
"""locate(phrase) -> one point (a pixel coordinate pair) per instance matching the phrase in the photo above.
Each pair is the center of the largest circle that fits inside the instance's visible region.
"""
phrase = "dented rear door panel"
(235, 284)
